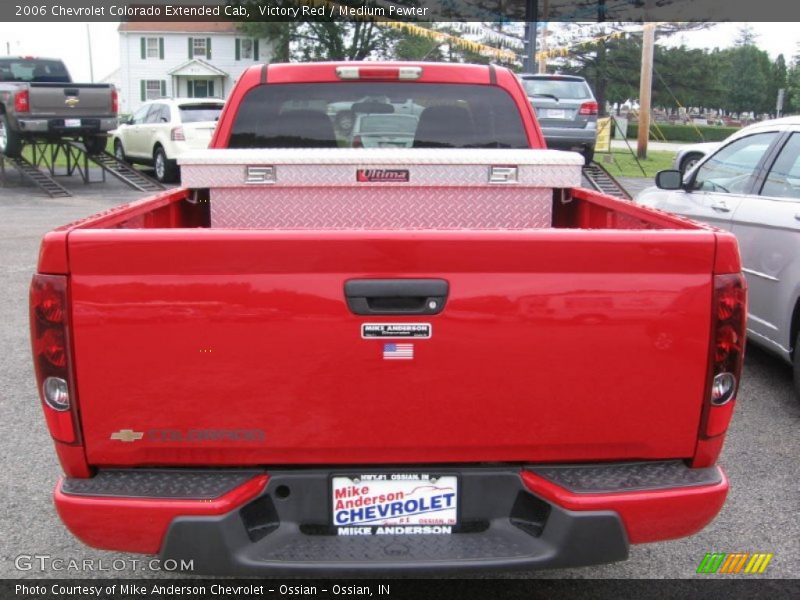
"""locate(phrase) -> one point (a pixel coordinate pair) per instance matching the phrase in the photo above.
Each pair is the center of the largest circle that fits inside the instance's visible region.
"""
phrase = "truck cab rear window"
(33, 70)
(331, 115)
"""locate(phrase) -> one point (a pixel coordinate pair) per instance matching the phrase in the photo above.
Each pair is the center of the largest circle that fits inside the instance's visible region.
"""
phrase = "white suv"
(161, 130)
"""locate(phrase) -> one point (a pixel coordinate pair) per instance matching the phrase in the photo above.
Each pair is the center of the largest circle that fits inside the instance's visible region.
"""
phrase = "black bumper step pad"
(175, 484)
(628, 476)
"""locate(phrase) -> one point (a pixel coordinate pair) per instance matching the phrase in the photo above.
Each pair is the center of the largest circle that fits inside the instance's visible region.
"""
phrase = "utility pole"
(89, 42)
(645, 88)
(531, 21)
(543, 59)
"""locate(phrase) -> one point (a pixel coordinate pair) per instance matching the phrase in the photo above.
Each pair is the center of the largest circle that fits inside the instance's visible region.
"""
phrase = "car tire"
(345, 121)
(95, 144)
(689, 161)
(166, 169)
(10, 140)
(119, 152)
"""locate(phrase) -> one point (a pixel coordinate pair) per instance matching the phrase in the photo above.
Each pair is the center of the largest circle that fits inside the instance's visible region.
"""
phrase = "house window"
(152, 47)
(199, 47)
(247, 49)
(152, 89)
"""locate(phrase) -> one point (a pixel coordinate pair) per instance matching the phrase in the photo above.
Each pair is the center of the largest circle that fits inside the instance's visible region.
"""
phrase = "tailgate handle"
(396, 296)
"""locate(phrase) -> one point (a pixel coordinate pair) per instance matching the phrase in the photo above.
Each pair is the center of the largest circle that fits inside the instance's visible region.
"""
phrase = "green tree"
(748, 75)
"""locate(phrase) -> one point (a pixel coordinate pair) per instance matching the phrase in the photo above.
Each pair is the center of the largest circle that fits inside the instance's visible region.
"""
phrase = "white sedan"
(161, 130)
(751, 186)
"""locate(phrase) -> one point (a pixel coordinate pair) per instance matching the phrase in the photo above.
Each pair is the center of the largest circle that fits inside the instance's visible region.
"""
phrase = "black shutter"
(208, 48)
(255, 49)
(143, 47)
(142, 87)
(191, 47)
(161, 48)
(238, 49)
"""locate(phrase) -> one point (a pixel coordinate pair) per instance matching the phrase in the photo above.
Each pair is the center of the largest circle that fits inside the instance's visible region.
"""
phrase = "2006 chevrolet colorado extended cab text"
(319, 358)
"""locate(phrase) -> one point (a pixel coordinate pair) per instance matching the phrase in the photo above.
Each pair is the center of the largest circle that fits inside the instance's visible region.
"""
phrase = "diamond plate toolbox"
(381, 188)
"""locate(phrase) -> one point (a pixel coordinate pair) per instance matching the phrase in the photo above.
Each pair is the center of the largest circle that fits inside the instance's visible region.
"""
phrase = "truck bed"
(248, 331)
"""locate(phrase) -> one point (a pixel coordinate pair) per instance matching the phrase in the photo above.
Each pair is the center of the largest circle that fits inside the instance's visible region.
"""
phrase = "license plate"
(72, 122)
(556, 113)
(394, 503)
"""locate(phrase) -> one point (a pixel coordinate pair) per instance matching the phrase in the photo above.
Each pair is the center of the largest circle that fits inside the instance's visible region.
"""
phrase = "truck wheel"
(10, 140)
(95, 144)
(166, 170)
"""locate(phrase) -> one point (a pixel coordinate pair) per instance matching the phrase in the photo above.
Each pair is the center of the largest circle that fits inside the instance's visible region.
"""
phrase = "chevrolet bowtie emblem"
(72, 101)
(127, 435)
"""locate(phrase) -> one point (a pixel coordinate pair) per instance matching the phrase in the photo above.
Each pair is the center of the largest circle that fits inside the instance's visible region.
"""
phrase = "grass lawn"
(621, 163)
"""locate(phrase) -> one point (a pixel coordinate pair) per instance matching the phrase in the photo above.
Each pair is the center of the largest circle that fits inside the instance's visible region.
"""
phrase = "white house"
(179, 59)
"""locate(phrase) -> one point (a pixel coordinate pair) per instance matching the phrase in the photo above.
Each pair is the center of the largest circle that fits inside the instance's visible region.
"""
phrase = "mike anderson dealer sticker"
(396, 331)
(395, 503)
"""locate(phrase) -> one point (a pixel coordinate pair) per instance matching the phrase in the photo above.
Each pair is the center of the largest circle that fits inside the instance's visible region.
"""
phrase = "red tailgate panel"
(554, 345)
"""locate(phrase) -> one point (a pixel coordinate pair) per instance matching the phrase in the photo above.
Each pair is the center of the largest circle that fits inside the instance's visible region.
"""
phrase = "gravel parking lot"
(761, 454)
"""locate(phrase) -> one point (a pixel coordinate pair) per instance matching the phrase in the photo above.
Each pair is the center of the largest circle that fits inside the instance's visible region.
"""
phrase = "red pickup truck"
(437, 352)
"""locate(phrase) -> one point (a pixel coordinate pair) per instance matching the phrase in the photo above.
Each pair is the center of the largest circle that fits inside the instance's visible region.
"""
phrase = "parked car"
(384, 131)
(566, 109)
(751, 186)
(444, 357)
(162, 130)
(691, 154)
(39, 101)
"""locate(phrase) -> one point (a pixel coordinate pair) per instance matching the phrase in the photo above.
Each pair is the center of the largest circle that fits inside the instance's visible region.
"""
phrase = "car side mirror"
(670, 179)
(127, 120)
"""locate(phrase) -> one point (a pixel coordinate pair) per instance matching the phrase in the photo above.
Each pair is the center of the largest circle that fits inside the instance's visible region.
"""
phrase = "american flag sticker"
(398, 351)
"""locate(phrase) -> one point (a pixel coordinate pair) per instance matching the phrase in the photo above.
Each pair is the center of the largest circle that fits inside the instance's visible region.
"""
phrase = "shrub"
(684, 133)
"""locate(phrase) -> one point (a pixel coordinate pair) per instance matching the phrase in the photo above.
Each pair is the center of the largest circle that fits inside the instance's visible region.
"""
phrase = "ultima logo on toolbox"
(736, 562)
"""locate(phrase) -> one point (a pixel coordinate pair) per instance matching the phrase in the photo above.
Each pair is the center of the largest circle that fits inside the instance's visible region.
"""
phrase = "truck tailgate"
(237, 347)
(70, 99)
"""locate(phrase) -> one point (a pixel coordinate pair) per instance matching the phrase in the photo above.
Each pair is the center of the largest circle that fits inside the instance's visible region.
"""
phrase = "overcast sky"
(68, 41)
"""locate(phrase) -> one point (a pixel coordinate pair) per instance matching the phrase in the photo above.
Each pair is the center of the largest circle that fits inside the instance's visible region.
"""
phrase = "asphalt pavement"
(760, 456)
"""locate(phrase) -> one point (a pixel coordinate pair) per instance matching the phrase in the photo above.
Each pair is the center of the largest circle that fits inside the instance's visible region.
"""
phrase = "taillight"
(176, 135)
(51, 354)
(22, 103)
(379, 72)
(357, 143)
(588, 108)
(114, 101)
(727, 351)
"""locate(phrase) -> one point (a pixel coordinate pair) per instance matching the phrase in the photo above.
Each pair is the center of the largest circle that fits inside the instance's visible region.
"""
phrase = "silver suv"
(751, 186)
(566, 110)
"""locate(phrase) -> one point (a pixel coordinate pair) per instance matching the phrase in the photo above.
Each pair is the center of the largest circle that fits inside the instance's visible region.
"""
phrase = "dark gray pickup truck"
(38, 100)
